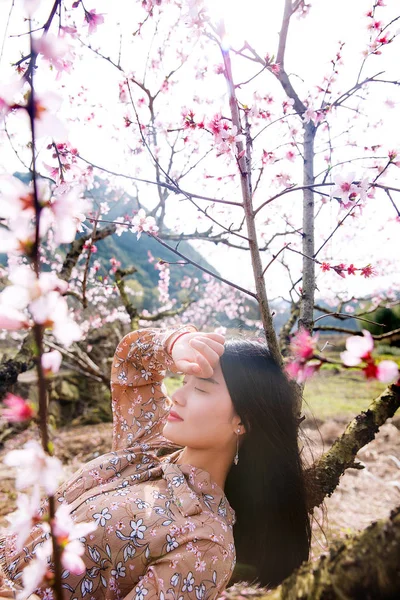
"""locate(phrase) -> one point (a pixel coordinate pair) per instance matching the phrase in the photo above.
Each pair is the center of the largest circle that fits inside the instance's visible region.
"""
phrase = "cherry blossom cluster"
(348, 191)
(380, 35)
(305, 362)
(163, 281)
(115, 264)
(359, 351)
(226, 136)
(143, 224)
(30, 299)
(343, 270)
(39, 472)
(66, 159)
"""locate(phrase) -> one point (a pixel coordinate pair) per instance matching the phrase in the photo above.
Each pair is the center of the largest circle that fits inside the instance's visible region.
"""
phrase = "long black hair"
(267, 488)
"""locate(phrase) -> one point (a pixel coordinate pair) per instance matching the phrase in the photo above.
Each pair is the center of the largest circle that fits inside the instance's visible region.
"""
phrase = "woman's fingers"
(209, 353)
(206, 368)
(218, 347)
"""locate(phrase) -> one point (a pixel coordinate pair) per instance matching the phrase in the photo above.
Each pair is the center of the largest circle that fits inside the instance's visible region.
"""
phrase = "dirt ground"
(362, 496)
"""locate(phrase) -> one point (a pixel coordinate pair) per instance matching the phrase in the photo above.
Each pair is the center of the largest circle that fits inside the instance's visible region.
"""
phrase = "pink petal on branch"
(300, 371)
(51, 361)
(303, 344)
(71, 557)
(33, 573)
(23, 519)
(35, 467)
(357, 348)
(92, 19)
(47, 105)
(11, 318)
(387, 371)
(18, 410)
(56, 50)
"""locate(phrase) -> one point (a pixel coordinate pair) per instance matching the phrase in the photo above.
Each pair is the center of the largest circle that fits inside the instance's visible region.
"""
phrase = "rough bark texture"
(325, 474)
(364, 567)
(11, 368)
(306, 319)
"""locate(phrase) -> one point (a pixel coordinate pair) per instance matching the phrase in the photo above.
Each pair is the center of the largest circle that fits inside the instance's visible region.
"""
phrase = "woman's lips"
(173, 416)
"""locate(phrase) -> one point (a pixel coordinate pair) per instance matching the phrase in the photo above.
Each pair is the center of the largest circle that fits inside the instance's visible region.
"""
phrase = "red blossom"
(325, 266)
(367, 271)
(351, 270)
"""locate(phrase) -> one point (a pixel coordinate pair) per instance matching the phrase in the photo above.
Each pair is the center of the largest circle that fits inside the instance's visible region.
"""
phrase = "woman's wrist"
(170, 341)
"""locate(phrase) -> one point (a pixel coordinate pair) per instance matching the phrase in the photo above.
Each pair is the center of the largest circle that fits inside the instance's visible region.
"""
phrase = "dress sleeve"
(191, 572)
(138, 396)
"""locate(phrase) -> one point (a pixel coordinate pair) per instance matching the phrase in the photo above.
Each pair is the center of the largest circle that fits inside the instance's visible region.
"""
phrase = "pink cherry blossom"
(300, 371)
(12, 319)
(51, 361)
(35, 467)
(69, 213)
(51, 310)
(71, 557)
(387, 371)
(18, 410)
(35, 570)
(15, 197)
(68, 533)
(303, 345)
(347, 190)
(56, 50)
(230, 139)
(25, 516)
(47, 105)
(92, 19)
(358, 348)
(141, 223)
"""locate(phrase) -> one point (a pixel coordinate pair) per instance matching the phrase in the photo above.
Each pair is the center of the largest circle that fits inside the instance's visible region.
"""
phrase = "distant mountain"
(130, 251)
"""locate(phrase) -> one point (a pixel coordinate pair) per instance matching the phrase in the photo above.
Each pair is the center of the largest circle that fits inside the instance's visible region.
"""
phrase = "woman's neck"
(217, 465)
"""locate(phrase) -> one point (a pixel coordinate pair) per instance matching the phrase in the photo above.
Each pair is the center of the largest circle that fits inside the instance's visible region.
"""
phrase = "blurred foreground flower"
(18, 409)
(51, 362)
(359, 349)
(35, 467)
(302, 347)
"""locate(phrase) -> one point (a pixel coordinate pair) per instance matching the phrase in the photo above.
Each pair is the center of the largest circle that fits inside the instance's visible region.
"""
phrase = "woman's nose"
(178, 397)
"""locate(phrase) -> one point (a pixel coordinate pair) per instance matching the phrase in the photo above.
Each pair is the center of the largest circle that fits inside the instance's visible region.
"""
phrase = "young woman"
(168, 525)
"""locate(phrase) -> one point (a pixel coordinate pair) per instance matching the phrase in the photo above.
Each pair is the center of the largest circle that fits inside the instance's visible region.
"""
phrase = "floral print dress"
(163, 530)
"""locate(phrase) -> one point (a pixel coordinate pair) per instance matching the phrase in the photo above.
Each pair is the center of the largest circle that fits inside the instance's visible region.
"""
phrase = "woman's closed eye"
(184, 382)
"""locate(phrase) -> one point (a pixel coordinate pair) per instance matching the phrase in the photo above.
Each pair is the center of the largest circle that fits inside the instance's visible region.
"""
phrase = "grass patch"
(344, 393)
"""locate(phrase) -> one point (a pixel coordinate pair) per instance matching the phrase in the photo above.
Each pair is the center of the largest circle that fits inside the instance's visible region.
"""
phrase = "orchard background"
(236, 167)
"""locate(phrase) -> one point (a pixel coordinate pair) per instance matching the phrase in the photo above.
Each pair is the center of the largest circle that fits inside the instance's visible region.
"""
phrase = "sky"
(313, 41)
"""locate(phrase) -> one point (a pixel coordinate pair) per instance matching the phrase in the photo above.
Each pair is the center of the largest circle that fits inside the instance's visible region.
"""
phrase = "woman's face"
(209, 419)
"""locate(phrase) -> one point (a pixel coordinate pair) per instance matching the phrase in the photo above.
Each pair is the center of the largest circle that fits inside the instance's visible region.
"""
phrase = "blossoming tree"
(222, 145)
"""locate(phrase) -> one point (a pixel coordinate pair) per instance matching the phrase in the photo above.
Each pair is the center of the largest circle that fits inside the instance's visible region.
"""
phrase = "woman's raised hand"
(198, 353)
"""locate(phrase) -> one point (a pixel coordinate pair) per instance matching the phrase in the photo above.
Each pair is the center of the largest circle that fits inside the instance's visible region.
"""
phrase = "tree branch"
(325, 473)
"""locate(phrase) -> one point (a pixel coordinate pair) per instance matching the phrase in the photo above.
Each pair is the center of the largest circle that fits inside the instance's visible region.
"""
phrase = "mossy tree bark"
(364, 566)
(325, 473)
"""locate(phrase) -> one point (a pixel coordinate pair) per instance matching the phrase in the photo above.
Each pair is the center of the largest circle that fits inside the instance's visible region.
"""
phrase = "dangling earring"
(236, 459)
